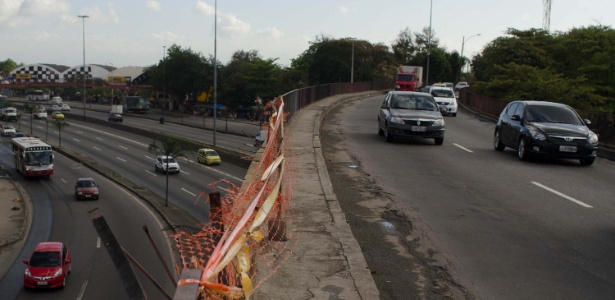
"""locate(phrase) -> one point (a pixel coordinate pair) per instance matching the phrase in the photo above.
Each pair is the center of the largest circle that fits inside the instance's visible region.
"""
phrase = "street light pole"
(428, 44)
(463, 42)
(215, 68)
(164, 87)
(352, 64)
(84, 68)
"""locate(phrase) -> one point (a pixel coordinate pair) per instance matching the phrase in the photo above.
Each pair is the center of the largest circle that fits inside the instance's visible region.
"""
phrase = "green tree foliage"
(59, 124)
(575, 67)
(8, 66)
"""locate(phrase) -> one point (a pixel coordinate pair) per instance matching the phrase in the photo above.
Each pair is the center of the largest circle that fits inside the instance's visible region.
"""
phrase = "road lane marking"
(148, 171)
(463, 148)
(100, 138)
(185, 190)
(63, 180)
(562, 195)
(150, 157)
(79, 132)
(121, 159)
(98, 243)
(122, 147)
(96, 148)
(184, 172)
(82, 291)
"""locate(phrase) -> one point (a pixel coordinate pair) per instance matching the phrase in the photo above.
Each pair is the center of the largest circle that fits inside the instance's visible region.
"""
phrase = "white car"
(166, 164)
(40, 113)
(65, 107)
(445, 97)
(53, 108)
(460, 85)
(56, 100)
(7, 130)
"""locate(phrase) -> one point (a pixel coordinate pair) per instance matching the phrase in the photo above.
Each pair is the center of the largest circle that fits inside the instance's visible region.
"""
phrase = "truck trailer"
(135, 104)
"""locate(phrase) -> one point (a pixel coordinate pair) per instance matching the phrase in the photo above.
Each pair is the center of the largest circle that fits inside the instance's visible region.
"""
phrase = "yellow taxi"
(57, 115)
(208, 156)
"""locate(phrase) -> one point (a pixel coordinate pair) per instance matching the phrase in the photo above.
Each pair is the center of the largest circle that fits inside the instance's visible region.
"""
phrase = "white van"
(40, 113)
(56, 100)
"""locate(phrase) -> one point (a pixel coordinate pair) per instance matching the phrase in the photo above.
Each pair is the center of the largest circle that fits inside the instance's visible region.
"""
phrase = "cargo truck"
(135, 104)
(409, 78)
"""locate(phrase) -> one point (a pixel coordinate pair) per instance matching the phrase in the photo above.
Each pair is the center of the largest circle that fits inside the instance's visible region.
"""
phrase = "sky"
(137, 32)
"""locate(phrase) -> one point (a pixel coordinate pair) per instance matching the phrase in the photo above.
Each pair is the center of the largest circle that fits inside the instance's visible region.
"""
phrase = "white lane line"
(63, 180)
(463, 148)
(82, 291)
(184, 172)
(185, 190)
(562, 195)
(79, 132)
(98, 243)
(121, 159)
(123, 147)
(148, 171)
(150, 157)
(96, 148)
(99, 138)
(77, 140)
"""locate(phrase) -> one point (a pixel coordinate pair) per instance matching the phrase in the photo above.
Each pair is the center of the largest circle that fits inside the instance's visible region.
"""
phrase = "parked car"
(7, 130)
(445, 97)
(540, 128)
(57, 115)
(65, 107)
(208, 157)
(48, 266)
(410, 114)
(40, 113)
(166, 164)
(115, 117)
(86, 188)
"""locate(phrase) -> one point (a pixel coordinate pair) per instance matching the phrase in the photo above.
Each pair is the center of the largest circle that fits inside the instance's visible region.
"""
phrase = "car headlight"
(58, 273)
(439, 122)
(27, 273)
(397, 87)
(397, 120)
(536, 134)
(593, 138)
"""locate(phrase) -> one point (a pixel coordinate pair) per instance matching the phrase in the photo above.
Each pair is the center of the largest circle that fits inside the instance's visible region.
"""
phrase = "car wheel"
(387, 135)
(439, 141)
(454, 114)
(497, 143)
(156, 168)
(380, 131)
(587, 161)
(522, 149)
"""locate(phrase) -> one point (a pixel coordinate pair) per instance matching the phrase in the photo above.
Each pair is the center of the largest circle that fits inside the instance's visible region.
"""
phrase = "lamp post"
(463, 42)
(84, 69)
(352, 64)
(164, 87)
(428, 43)
(215, 68)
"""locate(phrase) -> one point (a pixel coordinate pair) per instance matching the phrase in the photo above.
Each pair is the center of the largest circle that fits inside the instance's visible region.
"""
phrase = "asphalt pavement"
(326, 262)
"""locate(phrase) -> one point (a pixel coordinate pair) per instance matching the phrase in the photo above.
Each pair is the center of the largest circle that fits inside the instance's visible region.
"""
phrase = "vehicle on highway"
(38, 95)
(18, 134)
(32, 157)
(53, 108)
(86, 188)
(65, 107)
(7, 130)
(115, 117)
(8, 114)
(540, 128)
(48, 266)
(208, 156)
(166, 164)
(449, 85)
(57, 115)
(445, 97)
(40, 113)
(57, 100)
(460, 85)
(410, 114)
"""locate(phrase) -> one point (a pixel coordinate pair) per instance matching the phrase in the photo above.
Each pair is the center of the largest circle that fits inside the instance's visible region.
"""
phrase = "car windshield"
(412, 102)
(38, 158)
(551, 114)
(86, 183)
(442, 93)
(211, 153)
(168, 160)
(45, 259)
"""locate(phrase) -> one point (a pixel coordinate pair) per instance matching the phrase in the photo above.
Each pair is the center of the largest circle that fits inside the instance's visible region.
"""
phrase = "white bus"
(33, 158)
(38, 95)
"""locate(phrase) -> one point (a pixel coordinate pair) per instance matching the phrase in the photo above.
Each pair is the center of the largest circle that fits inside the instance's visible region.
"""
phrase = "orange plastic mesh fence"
(249, 236)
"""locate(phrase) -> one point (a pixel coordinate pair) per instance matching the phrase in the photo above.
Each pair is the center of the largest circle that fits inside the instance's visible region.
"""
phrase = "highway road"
(464, 221)
(58, 216)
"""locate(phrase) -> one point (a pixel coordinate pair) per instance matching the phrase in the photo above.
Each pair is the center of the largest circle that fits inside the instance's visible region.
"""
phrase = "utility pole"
(85, 72)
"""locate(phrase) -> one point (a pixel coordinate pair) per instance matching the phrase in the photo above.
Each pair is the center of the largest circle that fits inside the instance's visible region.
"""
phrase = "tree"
(8, 66)
(59, 124)
(403, 47)
(29, 108)
(168, 146)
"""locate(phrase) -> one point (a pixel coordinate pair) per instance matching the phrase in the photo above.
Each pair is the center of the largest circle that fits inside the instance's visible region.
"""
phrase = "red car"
(86, 188)
(48, 266)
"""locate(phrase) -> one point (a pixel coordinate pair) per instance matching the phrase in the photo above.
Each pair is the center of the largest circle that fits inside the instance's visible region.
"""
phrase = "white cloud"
(230, 26)
(43, 7)
(343, 9)
(204, 9)
(153, 5)
(270, 33)
(114, 17)
(167, 36)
